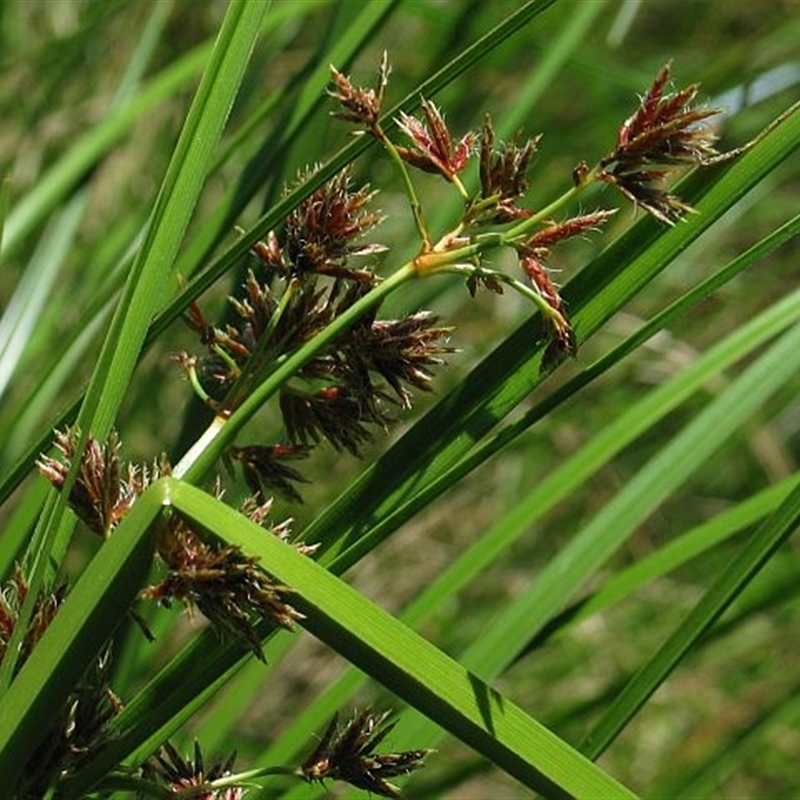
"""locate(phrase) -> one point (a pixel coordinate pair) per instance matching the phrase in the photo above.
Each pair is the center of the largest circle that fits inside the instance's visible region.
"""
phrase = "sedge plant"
(306, 340)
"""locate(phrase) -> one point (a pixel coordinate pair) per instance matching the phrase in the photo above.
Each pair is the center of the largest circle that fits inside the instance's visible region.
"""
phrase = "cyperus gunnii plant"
(307, 331)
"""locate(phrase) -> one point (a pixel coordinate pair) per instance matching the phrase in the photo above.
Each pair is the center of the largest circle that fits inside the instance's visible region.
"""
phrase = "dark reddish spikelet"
(575, 226)
(560, 336)
(265, 469)
(227, 587)
(360, 105)
(663, 133)
(99, 496)
(504, 175)
(401, 350)
(181, 774)
(346, 753)
(321, 232)
(339, 414)
(434, 151)
(540, 278)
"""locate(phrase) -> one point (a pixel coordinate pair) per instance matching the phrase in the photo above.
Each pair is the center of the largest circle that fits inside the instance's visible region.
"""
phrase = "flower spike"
(265, 470)
(561, 337)
(100, 495)
(182, 775)
(504, 176)
(346, 753)
(433, 145)
(663, 133)
(322, 231)
(360, 105)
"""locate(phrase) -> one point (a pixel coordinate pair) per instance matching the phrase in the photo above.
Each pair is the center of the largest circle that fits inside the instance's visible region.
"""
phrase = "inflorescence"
(318, 267)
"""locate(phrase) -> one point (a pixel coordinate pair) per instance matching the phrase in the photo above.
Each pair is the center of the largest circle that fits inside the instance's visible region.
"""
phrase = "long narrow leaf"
(91, 612)
(563, 575)
(408, 665)
(766, 540)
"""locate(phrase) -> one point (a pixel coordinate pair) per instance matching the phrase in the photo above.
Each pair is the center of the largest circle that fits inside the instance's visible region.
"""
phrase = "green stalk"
(443, 254)
(408, 185)
(199, 459)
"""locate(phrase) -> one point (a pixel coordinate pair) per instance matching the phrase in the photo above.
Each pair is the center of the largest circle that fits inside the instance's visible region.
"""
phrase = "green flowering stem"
(478, 205)
(524, 228)
(526, 291)
(197, 386)
(462, 190)
(229, 362)
(151, 789)
(201, 456)
(274, 320)
(450, 251)
(237, 780)
(408, 185)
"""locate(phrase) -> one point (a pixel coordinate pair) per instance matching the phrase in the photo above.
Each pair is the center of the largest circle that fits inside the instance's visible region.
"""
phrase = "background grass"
(107, 88)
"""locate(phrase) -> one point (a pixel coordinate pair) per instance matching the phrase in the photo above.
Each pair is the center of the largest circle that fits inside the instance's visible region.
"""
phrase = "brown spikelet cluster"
(12, 596)
(79, 729)
(433, 147)
(343, 415)
(402, 351)
(305, 281)
(228, 587)
(504, 178)
(561, 339)
(347, 753)
(360, 105)
(533, 254)
(265, 469)
(665, 132)
(225, 585)
(100, 496)
(180, 775)
(326, 228)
